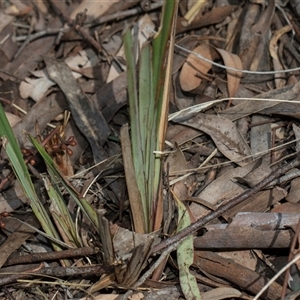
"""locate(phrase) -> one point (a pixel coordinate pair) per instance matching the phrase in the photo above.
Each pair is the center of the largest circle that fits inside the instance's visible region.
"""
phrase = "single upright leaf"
(185, 255)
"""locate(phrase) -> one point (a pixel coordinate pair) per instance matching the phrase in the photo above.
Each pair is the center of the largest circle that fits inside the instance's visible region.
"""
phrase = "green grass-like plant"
(60, 226)
(15, 156)
(148, 90)
(148, 102)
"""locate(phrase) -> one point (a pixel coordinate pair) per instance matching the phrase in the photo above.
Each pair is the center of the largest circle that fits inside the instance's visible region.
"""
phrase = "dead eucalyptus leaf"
(177, 162)
(233, 77)
(223, 293)
(273, 47)
(225, 135)
(249, 107)
(194, 68)
(221, 189)
(12, 119)
(294, 195)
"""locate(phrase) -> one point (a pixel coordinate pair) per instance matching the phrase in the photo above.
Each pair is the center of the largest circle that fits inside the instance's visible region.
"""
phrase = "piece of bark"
(242, 277)
(266, 221)
(250, 230)
(224, 237)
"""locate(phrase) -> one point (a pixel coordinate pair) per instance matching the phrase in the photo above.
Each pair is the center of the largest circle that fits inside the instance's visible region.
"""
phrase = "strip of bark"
(241, 276)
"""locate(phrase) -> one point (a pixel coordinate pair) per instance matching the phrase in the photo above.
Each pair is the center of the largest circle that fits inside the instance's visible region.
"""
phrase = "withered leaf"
(225, 135)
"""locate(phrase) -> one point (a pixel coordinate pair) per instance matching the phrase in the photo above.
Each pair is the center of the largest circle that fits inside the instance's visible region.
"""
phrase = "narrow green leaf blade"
(185, 256)
(15, 156)
(61, 215)
(160, 44)
(29, 191)
(6, 130)
(137, 118)
(55, 174)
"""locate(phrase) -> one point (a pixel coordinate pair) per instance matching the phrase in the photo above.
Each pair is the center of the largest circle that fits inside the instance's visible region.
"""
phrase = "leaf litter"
(233, 119)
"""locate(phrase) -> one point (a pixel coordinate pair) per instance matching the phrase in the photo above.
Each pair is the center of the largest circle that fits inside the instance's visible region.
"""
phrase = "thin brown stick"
(95, 270)
(37, 257)
(122, 15)
(78, 28)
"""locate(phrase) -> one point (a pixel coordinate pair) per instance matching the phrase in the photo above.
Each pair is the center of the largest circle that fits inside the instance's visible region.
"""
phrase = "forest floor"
(230, 157)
